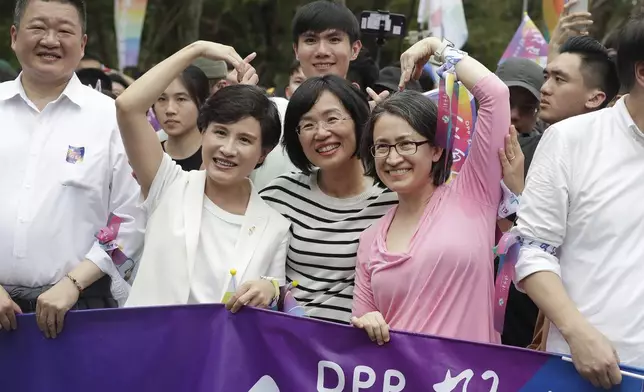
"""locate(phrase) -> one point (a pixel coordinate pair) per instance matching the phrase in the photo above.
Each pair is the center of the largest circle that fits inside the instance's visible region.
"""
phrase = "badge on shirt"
(75, 154)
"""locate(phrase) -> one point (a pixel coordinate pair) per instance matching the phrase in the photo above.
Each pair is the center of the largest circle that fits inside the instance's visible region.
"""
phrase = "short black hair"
(21, 6)
(240, 101)
(629, 51)
(305, 98)
(598, 67)
(322, 15)
(422, 115)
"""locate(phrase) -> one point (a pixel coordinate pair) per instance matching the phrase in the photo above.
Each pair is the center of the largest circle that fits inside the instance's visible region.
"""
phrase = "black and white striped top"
(326, 232)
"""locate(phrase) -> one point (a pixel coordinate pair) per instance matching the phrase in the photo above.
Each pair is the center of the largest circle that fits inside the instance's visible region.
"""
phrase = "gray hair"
(21, 6)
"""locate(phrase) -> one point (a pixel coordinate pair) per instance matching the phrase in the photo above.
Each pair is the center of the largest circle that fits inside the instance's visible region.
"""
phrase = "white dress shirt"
(63, 170)
(584, 198)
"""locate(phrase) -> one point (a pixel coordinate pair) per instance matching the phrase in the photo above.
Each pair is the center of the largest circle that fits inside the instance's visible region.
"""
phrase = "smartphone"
(579, 6)
(383, 23)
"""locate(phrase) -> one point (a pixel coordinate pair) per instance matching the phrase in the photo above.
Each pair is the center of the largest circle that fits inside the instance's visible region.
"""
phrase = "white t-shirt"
(215, 253)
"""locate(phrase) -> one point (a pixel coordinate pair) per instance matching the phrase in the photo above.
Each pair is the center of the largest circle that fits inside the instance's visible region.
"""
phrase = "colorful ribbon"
(107, 240)
(508, 252)
(456, 118)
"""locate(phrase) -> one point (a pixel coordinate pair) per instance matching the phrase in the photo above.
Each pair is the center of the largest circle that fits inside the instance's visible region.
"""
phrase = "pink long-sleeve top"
(444, 284)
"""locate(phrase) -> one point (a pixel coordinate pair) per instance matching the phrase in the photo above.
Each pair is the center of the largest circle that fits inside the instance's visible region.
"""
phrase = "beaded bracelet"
(75, 282)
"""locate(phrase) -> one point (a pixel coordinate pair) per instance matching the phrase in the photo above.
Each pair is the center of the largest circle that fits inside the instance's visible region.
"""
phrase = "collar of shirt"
(73, 91)
(625, 119)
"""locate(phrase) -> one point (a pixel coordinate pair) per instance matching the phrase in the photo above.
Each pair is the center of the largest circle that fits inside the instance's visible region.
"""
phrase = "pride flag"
(129, 16)
(528, 43)
(551, 11)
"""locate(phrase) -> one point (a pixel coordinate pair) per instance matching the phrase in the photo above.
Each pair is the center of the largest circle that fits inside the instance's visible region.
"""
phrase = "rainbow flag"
(551, 11)
(528, 43)
(129, 16)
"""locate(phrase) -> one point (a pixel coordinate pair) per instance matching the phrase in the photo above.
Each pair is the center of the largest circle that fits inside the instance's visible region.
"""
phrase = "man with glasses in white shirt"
(63, 170)
(581, 224)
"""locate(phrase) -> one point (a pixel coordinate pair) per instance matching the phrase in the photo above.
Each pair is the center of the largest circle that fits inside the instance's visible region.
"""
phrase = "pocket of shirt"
(75, 176)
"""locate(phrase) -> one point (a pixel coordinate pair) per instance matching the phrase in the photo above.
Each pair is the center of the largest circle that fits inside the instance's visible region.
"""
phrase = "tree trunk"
(188, 26)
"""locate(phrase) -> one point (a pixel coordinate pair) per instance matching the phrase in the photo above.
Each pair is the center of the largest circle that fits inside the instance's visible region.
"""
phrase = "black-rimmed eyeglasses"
(407, 147)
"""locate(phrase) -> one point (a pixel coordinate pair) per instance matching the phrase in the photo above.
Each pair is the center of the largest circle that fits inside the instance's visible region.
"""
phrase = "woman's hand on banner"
(375, 325)
(257, 293)
(512, 162)
(8, 311)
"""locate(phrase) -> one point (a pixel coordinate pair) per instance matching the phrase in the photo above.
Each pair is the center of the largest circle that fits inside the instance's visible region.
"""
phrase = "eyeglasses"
(382, 150)
(312, 126)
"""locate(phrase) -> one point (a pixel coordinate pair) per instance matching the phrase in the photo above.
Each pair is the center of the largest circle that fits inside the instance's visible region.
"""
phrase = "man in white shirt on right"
(581, 224)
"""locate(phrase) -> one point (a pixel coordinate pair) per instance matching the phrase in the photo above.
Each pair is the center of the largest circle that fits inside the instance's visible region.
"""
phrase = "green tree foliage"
(264, 26)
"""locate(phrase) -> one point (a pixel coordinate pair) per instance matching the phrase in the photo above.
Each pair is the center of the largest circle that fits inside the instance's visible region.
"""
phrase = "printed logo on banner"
(265, 384)
(451, 383)
(364, 378)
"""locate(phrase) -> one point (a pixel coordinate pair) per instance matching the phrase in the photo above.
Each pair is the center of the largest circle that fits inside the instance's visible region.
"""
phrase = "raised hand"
(414, 59)
(512, 163)
(571, 25)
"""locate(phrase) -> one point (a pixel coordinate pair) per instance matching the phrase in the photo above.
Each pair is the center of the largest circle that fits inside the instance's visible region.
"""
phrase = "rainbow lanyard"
(456, 119)
(448, 92)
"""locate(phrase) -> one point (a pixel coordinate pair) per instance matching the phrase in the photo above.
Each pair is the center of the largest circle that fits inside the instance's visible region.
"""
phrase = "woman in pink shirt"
(427, 265)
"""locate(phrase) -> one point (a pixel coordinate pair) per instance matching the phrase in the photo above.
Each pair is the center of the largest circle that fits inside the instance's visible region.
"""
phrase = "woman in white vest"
(204, 224)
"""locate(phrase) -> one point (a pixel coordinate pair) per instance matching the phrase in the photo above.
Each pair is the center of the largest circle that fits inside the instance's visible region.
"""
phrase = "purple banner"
(204, 348)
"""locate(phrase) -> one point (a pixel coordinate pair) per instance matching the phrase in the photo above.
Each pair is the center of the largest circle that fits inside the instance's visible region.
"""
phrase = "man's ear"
(596, 100)
(355, 49)
(639, 73)
(14, 36)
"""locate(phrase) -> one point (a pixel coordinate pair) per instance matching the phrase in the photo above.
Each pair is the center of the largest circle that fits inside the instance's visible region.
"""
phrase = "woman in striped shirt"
(331, 201)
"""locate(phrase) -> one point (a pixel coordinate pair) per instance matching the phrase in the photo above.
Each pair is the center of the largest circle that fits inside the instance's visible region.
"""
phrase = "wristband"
(510, 203)
(276, 286)
(438, 57)
(451, 57)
